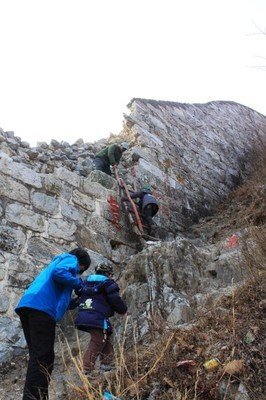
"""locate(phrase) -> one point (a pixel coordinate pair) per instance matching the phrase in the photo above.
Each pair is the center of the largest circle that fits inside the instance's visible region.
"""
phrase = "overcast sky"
(69, 67)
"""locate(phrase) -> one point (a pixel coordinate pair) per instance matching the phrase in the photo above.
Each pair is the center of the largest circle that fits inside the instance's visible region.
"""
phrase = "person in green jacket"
(110, 155)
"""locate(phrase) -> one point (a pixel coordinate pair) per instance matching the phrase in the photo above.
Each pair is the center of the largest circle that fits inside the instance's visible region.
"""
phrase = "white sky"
(69, 67)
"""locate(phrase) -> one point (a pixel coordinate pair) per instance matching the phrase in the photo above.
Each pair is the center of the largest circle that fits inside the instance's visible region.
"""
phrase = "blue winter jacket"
(51, 290)
(99, 300)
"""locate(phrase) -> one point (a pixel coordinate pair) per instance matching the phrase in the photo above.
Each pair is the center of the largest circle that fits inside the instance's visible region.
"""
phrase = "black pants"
(148, 212)
(39, 331)
(101, 165)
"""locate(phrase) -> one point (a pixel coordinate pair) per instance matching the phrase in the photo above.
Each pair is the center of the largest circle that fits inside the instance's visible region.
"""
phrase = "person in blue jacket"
(98, 300)
(42, 305)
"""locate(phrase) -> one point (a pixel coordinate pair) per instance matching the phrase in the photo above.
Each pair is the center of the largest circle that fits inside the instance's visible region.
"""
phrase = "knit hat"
(104, 268)
(146, 188)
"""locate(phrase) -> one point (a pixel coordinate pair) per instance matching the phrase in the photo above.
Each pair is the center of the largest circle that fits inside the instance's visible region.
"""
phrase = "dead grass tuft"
(234, 367)
(174, 365)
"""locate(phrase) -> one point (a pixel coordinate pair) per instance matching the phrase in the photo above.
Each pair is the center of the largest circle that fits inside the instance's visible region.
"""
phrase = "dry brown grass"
(244, 207)
(232, 331)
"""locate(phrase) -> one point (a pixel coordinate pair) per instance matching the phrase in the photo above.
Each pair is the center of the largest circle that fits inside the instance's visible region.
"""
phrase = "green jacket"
(111, 154)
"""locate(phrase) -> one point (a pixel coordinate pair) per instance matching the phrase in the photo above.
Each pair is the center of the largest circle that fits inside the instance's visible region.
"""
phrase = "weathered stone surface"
(83, 200)
(95, 241)
(22, 262)
(181, 312)
(2, 258)
(85, 167)
(121, 253)
(9, 134)
(33, 154)
(57, 187)
(79, 142)
(94, 189)
(43, 250)
(20, 280)
(69, 211)
(70, 177)
(20, 172)
(45, 203)
(141, 152)
(100, 225)
(150, 169)
(2, 272)
(147, 138)
(11, 336)
(22, 216)
(13, 190)
(193, 144)
(96, 258)
(53, 185)
(11, 240)
(4, 301)
(103, 179)
(61, 229)
(55, 144)
(174, 273)
(6, 150)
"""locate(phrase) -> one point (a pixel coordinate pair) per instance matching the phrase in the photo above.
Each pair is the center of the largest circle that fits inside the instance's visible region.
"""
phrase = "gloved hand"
(78, 290)
(73, 303)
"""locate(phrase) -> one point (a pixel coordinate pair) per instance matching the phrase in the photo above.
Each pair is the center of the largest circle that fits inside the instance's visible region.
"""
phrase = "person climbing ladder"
(148, 205)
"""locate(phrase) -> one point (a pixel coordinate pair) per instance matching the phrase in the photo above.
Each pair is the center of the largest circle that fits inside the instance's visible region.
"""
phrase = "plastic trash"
(109, 396)
(211, 364)
(186, 363)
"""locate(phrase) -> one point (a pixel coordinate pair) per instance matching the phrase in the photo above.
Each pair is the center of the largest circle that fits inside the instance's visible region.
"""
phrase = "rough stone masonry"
(51, 200)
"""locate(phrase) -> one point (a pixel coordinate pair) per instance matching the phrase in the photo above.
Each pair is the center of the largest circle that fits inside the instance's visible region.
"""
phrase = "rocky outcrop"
(169, 281)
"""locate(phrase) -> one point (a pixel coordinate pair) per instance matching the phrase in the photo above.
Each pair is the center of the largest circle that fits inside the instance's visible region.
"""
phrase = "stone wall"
(44, 214)
(192, 154)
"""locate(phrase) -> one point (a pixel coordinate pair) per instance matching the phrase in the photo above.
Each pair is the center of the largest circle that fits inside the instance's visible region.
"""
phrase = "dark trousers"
(148, 212)
(99, 345)
(39, 331)
(102, 165)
